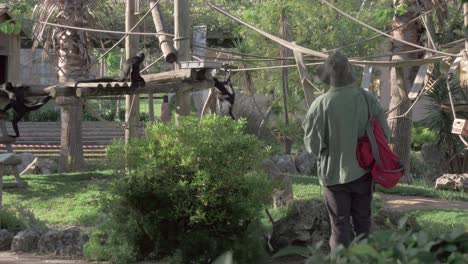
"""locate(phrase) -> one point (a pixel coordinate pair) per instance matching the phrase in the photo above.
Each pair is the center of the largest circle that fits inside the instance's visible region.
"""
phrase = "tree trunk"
(285, 52)
(401, 81)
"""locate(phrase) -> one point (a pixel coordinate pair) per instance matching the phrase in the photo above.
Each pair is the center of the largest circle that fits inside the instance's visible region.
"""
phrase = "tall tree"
(73, 58)
(403, 78)
(285, 52)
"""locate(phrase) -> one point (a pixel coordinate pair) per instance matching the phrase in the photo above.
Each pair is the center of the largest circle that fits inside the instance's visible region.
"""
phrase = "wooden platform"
(192, 79)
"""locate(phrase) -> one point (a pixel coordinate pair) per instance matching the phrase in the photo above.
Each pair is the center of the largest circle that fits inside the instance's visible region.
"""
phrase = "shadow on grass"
(45, 187)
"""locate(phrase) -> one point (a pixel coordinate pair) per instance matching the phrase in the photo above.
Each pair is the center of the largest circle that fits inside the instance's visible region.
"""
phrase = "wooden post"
(182, 44)
(165, 43)
(132, 102)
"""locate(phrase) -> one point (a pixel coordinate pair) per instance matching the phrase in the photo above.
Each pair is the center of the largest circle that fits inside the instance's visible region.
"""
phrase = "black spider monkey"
(20, 104)
(130, 72)
(225, 93)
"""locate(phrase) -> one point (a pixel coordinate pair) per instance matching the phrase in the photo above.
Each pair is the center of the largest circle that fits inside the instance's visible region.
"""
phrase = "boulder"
(307, 223)
(25, 241)
(255, 110)
(26, 159)
(38, 166)
(452, 182)
(5, 239)
(435, 159)
(283, 195)
(285, 163)
(68, 242)
(305, 163)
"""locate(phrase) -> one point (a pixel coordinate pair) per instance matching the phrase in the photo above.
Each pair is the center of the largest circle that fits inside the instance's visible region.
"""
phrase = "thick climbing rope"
(96, 30)
(307, 51)
(385, 34)
(420, 95)
(389, 31)
(122, 39)
(98, 116)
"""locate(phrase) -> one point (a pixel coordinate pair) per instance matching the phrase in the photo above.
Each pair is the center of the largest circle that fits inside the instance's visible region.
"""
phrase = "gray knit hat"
(336, 70)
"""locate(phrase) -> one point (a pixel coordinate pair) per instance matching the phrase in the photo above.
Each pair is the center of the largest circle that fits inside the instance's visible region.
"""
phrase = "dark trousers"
(346, 202)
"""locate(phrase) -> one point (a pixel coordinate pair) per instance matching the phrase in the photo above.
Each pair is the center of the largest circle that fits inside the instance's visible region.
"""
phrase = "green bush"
(394, 246)
(9, 220)
(192, 188)
(421, 135)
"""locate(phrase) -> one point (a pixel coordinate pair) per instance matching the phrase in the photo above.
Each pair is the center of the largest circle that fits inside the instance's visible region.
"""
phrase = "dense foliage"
(192, 189)
(395, 246)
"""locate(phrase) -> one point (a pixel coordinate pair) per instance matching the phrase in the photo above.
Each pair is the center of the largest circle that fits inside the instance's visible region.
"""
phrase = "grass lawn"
(440, 221)
(72, 199)
(421, 188)
(61, 199)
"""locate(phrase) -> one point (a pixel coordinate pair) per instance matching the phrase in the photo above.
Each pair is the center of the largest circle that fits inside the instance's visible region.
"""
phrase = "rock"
(389, 218)
(306, 224)
(26, 159)
(272, 170)
(5, 239)
(38, 166)
(68, 242)
(305, 163)
(283, 195)
(255, 110)
(435, 159)
(452, 182)
(25, 241)
(285, 163)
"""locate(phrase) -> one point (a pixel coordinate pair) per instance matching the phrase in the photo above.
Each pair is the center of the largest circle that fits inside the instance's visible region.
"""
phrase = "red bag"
(374, 153)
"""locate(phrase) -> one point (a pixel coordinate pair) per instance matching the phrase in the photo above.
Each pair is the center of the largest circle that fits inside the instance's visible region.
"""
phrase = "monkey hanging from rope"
(20, 105)
(130, 72)
(225, 94)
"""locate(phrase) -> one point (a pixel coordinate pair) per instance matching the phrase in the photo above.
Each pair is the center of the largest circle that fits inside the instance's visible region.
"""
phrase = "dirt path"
(7, 257)
(410, 203)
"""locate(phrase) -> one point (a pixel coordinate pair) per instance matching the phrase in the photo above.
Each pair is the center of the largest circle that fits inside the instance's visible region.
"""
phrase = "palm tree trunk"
(284, 52)
(401, 81)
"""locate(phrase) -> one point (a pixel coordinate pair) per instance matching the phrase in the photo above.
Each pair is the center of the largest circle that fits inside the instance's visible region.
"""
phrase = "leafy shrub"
(191, 188)
(9, 220)
(394, 246)
(43, 116)
(421, 135)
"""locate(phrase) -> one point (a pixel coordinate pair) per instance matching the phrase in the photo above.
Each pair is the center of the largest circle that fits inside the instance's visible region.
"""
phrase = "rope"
(307, 51)
(98, 116)
(272, 67)
(414, 103)
(154, 62)
(122, 39)
(97, 30)
(385, 34)
(389, 31)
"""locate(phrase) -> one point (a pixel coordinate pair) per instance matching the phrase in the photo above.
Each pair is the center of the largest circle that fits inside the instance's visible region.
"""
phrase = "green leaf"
(225, 258)
(292, 250)
(363, 250)
(401, 9)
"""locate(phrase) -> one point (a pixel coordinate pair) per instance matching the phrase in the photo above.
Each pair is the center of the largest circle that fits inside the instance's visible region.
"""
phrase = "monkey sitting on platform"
(20, 104)
(130, 72)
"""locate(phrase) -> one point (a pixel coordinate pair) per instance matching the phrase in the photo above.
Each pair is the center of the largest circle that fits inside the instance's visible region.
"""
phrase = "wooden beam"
(162, 88)
(182, 44)
(458, 108)
(306, 82)
(165, 43)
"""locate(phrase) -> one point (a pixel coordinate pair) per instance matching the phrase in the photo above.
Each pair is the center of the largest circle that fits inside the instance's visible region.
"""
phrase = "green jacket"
(334, 123)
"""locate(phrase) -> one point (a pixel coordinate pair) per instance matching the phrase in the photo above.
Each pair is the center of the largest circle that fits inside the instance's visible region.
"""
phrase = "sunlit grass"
(61, 199)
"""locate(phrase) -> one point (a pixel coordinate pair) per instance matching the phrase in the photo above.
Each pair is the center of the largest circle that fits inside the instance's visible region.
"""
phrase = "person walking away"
(333, 124)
